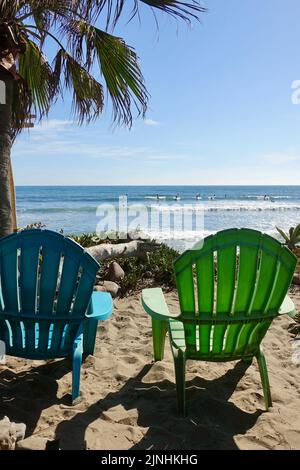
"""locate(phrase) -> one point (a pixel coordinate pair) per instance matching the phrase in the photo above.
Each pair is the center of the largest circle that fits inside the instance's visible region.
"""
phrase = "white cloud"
(151, 122)
(50, 125)
(60, 138)
(73, 147)
(280, 158)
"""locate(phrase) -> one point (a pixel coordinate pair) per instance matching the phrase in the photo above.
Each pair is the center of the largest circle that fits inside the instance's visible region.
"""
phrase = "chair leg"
(159, 331)
(89, 338)
(247, 360)
(179, 363)
(77, 361)
(264, 379)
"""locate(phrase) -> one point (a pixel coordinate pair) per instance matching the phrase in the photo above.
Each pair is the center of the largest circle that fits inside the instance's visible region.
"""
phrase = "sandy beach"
(129, 402)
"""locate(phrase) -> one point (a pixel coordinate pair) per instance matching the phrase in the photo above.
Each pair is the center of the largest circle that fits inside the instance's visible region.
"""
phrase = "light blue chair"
(47, 305)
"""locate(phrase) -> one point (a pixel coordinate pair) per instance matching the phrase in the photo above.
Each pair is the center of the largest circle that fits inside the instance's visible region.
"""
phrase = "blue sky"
(220, 110)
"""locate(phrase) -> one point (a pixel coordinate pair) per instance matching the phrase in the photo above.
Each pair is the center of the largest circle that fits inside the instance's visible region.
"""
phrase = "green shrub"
(156, 270)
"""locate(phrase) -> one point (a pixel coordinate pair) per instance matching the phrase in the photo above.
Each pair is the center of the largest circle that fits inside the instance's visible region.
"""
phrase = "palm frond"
(178, 9)
(37, 74)
(21, 106)
(88, 100)
(119, 65)
(9, 9)
(183, 10)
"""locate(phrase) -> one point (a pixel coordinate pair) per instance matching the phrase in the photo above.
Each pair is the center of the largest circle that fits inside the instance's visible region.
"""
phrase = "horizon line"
(150, 185)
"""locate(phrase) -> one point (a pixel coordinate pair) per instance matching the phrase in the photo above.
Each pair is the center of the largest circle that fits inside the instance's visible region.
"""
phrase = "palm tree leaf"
(37, 73)
(21, 106)
(119, 65)
(88, 97)
(9, 9)
(182, 10)
(178, 9)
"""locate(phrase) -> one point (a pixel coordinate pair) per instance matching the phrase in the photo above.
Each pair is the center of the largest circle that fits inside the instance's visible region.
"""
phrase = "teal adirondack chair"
(47, 305)
(229, 292)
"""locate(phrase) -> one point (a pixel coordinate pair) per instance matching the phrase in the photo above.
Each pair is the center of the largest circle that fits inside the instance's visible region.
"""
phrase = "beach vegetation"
(156, 269)
(291, 238)
(292, 241)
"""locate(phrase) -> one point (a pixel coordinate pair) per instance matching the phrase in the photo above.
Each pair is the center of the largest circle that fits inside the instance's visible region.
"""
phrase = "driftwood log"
(136, 248)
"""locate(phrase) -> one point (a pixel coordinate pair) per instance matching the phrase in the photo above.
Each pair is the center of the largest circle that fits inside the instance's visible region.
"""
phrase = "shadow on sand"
(24, 395)
(211, 423)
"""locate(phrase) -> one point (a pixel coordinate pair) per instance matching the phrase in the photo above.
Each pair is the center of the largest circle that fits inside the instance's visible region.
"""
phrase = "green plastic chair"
(230, 290)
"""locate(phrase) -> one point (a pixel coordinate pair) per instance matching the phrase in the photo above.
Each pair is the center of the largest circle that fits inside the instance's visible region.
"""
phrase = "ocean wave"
(261, 198)
(52, 210)
(226, 208)
(172, 208)
(188, 235)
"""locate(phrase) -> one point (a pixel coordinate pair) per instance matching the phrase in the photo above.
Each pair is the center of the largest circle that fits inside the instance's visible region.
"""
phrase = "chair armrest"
(288, 307)
(101, 306)
(177, 335)
(155, 305)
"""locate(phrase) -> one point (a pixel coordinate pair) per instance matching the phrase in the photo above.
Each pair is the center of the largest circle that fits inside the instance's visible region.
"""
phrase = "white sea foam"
(225, 206)
(186, 235)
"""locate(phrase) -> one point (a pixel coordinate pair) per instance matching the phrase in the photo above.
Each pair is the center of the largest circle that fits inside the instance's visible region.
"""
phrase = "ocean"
(207, 209)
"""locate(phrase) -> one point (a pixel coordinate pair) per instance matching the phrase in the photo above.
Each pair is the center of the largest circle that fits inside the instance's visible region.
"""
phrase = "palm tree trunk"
(6, 219)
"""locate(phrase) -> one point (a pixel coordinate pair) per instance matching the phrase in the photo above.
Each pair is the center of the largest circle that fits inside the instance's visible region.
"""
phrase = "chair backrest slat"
(232, 335)
(270, 257)
(218, 338)
(29, 336)
(9, 273)
(16, 333)
(226, 270)
(29, 267)
(247, 266)
(204, 338)
(185, 283)
(48, 282)
(283, 280)
(56, 335)
(43, 338)
(83, 293)
(67, 285)
(205, 281)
